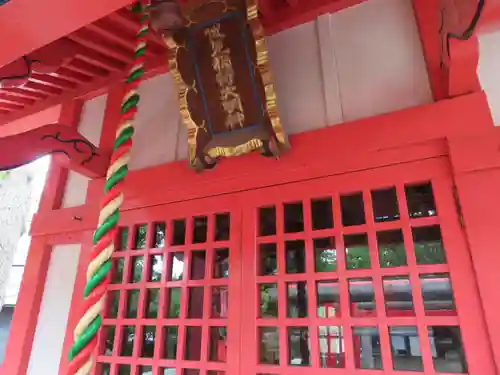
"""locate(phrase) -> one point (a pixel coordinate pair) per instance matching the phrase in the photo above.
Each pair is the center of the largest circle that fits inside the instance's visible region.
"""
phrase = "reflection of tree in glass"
(174, 304)
(326, 260)
(358, 257)
(268, 300)
(140, 237)
(138, 268)
(159, 234)
(430, 252)
(392, 255)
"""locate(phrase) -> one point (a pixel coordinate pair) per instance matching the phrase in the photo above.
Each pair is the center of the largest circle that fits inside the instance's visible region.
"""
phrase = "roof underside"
(106, 49)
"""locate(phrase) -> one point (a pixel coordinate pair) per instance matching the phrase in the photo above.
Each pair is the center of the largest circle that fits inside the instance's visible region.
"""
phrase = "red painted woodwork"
(47, 59)
(69, 147)
(451, 53)
(142, 246)
(102, 49)
(387, 139)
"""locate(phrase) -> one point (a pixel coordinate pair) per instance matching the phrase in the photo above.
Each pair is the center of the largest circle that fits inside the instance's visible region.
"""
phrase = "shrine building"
(256, 187)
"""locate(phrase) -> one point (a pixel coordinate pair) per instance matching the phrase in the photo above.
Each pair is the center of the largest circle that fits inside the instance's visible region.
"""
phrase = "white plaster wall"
(52, 318)
(157, 123)
(363, 61)
(488, 71)
(90, 127)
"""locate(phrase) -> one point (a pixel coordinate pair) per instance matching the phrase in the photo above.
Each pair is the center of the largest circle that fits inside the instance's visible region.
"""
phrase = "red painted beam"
(69, 148)
(37, 23)
(451, 51)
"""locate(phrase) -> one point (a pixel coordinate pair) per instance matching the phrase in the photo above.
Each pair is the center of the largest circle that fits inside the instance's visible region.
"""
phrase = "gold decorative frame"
(264, 70)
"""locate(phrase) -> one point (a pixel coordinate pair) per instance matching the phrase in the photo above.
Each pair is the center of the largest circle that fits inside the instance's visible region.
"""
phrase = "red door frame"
(382, 140)
(459, 265)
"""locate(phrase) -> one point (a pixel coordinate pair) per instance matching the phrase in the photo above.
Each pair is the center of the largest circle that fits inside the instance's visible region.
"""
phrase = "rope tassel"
(99, 268)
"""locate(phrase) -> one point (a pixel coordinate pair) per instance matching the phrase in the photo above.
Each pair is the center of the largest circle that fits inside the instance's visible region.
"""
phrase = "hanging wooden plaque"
(219, 62)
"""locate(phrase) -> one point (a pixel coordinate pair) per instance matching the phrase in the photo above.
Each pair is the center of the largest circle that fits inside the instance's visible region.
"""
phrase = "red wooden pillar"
(23, 326)
(94, 195)
(476, 167)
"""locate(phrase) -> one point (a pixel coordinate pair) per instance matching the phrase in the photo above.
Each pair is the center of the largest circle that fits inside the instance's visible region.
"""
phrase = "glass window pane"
(437, 294)
(152, 303)
(322, 215)
(195, 305)
(385, 205)
(269, 352)
(222, 227)
(145, 370)
(331, 347)
(357, 251)
(148, 341)
(113, 304)
(294, 217)
(325, 254)
(398, 296)
(367, 354)
(127, 344)
(405, 349)
(297, 299)
(221, 264)
(268, 300)
(200, 225)
(176, 266)
(190, 371)
(124, 370)
(140, 236)
(171, 335)
(218, 344)
(122, 241)
(155, 267)
(118, 267)
(132, 303)
(109, 339)
(298, 346)
(103, 369)
(193, 344)
(267, 221)
(295, 256)
(353, 211)
(174, 302)
(179, 232)
(198, 265)
(391, 248)
(420, 200)
(447, 350)
(428, 245)
(159, 235)
(220, 300)
(167, 371)
(362, 297)
(268, 260)
(328, 299)
(137, 269)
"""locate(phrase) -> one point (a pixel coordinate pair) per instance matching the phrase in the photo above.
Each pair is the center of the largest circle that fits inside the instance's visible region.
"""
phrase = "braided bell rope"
(98, 271)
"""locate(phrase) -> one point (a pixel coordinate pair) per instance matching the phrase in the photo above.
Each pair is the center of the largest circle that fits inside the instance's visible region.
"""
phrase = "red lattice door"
(360, 273)
(174, 306)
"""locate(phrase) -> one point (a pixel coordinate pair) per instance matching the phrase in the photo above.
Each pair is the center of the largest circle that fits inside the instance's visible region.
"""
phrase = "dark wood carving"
(219, 62)
(68, 147)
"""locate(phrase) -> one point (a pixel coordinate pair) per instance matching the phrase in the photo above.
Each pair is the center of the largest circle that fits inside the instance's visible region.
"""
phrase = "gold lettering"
(224, 75)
